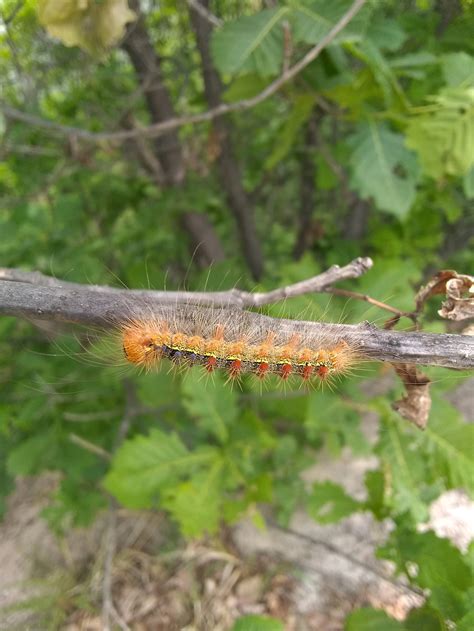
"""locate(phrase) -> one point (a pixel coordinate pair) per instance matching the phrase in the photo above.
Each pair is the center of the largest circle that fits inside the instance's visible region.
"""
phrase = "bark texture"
(147, 65)
(92, 306)
(231, 179)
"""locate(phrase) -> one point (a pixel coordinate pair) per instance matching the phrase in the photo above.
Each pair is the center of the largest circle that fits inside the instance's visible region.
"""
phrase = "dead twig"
(107, 307)
(205, 13)
(377, 303)
(233, 298)
(91, 447)
(157, 129)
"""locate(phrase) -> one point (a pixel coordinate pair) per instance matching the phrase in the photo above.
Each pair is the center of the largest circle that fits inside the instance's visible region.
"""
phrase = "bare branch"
(157, 129)
(316, 284)
(232, 298)
(106, 307)
(377, 303)
(28, 150)
(205, 13)
(90, 447)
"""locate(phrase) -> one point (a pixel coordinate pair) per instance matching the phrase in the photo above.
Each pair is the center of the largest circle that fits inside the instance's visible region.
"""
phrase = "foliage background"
(369, 151)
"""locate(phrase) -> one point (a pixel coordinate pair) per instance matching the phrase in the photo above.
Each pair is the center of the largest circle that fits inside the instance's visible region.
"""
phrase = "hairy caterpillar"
(237, 342)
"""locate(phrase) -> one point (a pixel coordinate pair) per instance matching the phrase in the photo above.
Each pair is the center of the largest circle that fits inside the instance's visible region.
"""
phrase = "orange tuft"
(211, 364)
(322, 372)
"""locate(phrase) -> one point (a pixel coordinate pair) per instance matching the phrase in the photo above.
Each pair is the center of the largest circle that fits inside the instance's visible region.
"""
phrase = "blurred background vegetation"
(369, 151)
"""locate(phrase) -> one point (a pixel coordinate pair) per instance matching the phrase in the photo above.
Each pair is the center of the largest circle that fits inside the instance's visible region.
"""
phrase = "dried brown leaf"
(416, 404)
(459, 291)
(460, 299)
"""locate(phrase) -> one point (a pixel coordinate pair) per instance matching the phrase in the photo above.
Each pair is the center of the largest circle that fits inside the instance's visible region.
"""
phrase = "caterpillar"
(237, 342)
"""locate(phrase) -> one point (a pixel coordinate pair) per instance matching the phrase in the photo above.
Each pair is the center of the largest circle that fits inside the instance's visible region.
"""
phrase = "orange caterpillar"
(238, 342)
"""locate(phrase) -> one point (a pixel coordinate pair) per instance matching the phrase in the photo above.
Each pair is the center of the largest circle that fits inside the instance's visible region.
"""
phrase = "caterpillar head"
(141, 346)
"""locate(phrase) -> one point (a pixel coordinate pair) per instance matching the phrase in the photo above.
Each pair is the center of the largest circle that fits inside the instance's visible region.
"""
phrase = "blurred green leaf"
(443, 133)
(375, 485)
(257, 623)
(386, 33)
(332, 421)
(312, 20)
(196, 504)
(466, 623)
(424, 619)
(458, 69)
(145, 465)
(441, 567)
(407, 470)
(299, 114)
(213, 404)
(383, 169)
(468, 183)
(328, 502)
(244, 87)
(371, 620)
(252, 44)
(32, 453)
(448, 442)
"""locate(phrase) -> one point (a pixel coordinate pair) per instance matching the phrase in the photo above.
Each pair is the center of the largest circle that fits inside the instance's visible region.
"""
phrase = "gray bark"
(107, 307)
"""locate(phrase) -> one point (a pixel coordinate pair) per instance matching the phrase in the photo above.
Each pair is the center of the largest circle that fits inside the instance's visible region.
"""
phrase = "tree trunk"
(307, 190)
(229, 169)
(447, 10)
(146, 62)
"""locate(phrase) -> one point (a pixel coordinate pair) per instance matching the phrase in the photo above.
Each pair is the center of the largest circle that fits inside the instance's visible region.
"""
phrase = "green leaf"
(466, 623)
(252, 43)
(213, 404)
(73, 502)
(144, 465)
(328, 502)
(413, 65)
(157, 389)
(244, 87)
(386, 33)
(449, 442)
(441, 567)
(381, 69)
(330, 419)
(196, 504)
(311, 20)
(410, 60)
(406, 469)
(468, 183)
(257, 623)
(367, 619)
(31, 454)
(375, 485)
(458, 69)
(443, 134)
(377, 158)
(299, 114)
(6, 483)
(424, 619)
(8, 177)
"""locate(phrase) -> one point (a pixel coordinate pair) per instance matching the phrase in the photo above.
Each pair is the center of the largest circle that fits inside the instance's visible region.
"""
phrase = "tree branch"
(205, 13)
(106, 307)
(232, 298)
(157, 129)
